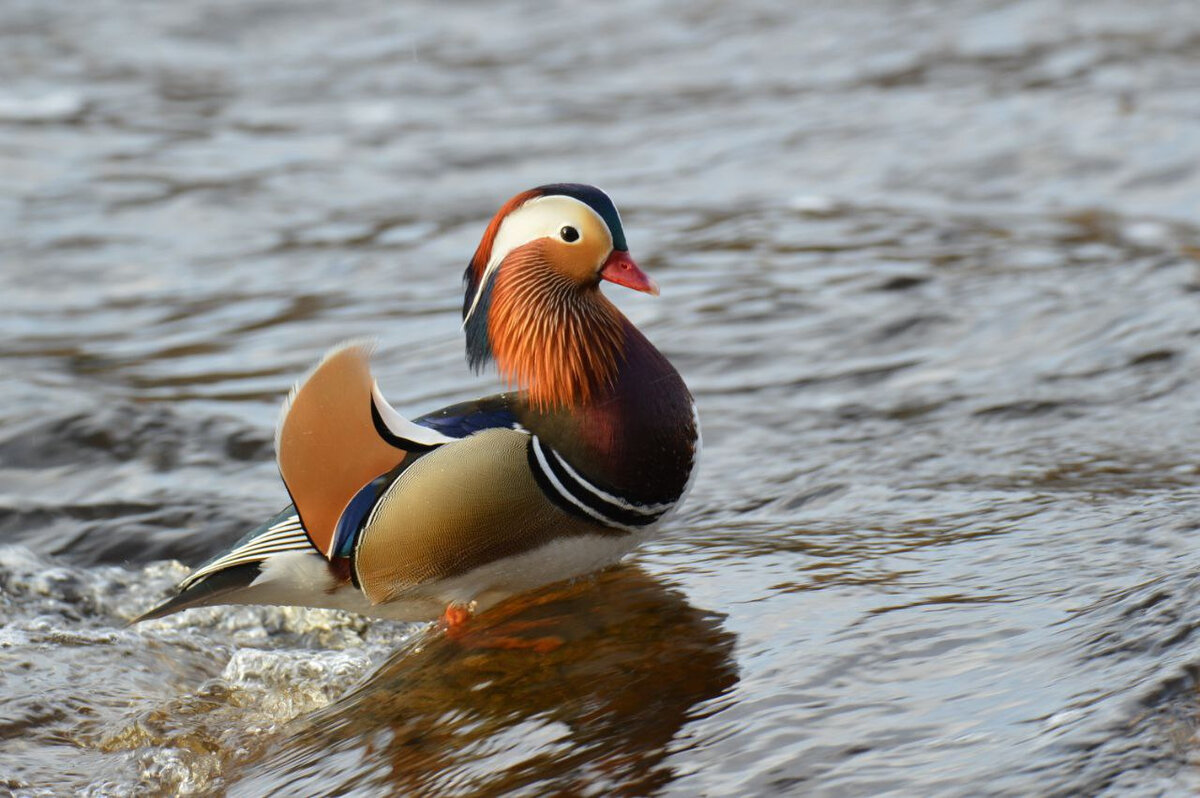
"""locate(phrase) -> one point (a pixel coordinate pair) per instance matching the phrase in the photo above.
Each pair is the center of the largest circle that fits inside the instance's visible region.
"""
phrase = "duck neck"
(560, 343)
(637, 437)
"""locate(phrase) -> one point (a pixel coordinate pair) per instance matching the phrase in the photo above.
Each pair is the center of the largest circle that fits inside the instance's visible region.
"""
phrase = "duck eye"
(569, 234)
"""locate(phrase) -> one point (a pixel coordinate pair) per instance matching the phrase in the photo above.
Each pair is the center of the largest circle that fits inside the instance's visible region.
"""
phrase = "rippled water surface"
(929, 268)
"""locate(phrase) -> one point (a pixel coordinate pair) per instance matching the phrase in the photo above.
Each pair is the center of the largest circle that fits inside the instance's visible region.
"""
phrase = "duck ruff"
(558, 341)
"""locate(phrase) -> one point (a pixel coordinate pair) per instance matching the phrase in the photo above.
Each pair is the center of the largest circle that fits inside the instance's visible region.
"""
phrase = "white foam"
(169, 703)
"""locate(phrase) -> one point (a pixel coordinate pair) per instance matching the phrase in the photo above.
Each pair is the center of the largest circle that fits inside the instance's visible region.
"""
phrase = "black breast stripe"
(568, 490)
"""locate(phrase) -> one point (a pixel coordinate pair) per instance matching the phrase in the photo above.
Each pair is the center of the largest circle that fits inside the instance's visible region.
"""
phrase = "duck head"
(533, 301)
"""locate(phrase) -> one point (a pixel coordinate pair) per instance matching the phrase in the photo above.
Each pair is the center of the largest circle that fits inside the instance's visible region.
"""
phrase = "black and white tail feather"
(283, 535)
(238, 568)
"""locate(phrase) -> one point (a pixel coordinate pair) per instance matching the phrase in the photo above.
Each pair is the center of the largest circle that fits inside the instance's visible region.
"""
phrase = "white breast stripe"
(566, 494)
(641, 509)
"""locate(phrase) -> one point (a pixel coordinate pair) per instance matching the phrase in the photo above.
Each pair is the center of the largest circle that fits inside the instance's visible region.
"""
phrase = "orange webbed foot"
(506, 635)
(455, 616)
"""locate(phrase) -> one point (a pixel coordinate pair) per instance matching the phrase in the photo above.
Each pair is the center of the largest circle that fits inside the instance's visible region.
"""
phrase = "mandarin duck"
(451, 512)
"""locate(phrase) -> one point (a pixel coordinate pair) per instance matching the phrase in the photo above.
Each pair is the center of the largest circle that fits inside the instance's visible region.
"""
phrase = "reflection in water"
(929, 268)
(600, 712)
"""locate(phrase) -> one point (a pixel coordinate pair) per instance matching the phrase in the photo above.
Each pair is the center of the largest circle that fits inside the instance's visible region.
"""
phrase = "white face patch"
(541, 217)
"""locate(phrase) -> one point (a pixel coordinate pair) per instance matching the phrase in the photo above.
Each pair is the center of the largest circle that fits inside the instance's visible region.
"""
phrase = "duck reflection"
(574, 689)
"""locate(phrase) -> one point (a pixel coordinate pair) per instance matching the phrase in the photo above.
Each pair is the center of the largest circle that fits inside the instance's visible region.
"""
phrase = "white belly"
(299, 578)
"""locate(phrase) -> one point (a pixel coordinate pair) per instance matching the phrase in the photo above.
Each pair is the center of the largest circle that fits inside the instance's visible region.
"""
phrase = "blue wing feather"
(467, 418)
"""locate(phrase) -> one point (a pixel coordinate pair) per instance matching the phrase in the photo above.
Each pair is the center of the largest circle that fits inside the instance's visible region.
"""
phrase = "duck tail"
(209, 590)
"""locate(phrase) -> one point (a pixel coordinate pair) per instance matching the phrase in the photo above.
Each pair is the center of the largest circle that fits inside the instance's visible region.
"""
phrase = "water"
(929, 268)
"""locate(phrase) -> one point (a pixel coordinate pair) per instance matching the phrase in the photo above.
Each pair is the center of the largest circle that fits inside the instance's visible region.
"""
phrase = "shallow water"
(929, 268)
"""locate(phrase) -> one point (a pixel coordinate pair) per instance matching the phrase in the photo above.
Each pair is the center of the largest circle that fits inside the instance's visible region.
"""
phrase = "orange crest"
(483, 252)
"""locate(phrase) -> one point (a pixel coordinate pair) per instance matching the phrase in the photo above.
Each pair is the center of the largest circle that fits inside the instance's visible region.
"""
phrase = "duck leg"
(506, 635)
